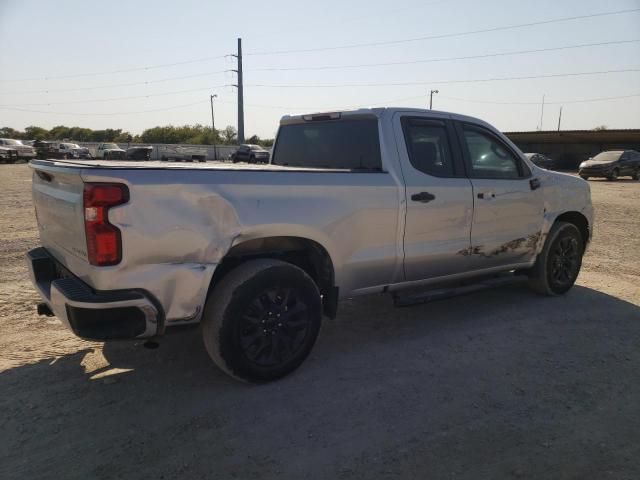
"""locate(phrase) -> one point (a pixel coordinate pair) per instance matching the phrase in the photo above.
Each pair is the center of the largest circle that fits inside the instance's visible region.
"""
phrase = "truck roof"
(377, 112)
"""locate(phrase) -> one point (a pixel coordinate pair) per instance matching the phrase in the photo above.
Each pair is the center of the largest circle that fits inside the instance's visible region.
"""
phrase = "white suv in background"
(24, 151)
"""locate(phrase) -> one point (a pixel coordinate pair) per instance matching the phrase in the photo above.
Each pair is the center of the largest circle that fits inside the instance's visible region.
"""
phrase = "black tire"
(262, 320)
(584, 177)
(636, 174)
(614, 174)
(558, 264)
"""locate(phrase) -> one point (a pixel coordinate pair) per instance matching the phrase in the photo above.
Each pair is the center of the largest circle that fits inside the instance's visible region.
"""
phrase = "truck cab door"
(508, 204)
(439, 201)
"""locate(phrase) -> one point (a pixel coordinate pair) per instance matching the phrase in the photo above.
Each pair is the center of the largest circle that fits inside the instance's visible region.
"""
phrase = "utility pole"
(239, 86)
(541, 113)
(213, 123)
(559, 117)
(431, 98)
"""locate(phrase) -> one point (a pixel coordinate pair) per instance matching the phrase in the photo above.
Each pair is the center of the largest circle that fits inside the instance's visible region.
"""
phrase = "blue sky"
(40, 39)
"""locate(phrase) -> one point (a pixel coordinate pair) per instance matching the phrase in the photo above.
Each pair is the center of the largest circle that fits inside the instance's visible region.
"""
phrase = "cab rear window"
(342, 144)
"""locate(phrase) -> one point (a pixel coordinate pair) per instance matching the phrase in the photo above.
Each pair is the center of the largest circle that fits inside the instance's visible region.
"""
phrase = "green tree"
(8, 132)
(229, 134)
(36, 133)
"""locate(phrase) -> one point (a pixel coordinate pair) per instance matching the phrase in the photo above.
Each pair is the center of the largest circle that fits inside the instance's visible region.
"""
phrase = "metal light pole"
(213, 123)
(213, 127)
(431, 98)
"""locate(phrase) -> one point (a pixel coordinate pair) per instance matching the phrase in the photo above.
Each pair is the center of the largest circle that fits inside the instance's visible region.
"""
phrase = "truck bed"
(160, 165)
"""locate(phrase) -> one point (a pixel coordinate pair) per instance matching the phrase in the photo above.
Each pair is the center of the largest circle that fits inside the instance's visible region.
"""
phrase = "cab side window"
(428, 146)
(490, 158)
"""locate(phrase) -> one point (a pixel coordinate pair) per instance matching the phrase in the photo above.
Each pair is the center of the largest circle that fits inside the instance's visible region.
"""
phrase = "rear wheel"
(558, 264)
(261, 321)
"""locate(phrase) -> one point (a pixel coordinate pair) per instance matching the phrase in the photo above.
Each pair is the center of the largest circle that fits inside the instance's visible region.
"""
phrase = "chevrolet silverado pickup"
(351, 203)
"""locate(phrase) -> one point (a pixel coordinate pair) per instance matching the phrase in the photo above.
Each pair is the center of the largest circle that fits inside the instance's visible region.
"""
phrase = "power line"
(344, 85)
(114, 98)
(445, 59)
(309, 108)
(113, 85)
(537, 103)
(445, 82)
(105, 113)
(108, 72)
(444, 35)
(327, 67)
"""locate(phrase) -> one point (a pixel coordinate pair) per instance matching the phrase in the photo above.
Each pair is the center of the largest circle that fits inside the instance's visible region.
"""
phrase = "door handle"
(423, 197)
(487, 195)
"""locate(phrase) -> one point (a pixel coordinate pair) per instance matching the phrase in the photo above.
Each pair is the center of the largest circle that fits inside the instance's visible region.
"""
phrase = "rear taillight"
(104, 244)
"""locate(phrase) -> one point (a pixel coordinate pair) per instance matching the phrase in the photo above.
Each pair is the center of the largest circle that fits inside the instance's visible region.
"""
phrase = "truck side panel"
(179, 224)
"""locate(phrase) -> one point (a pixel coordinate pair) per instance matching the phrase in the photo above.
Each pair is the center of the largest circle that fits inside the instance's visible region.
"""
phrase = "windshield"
(256, 147)
(110, 146)
(8, 141)
(607, 156)
(343, 144)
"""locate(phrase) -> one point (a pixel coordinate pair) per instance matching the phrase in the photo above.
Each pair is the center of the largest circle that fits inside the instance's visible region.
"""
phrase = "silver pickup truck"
(351, 203)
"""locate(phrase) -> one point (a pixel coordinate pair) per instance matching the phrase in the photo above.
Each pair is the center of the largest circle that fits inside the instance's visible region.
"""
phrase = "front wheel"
(261, 321)
(558, 264)
(584, 177)
(636, 174)
(614, 175)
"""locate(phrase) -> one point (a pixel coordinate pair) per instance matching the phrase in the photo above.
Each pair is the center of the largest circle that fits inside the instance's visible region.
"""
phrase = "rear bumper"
(90, 314)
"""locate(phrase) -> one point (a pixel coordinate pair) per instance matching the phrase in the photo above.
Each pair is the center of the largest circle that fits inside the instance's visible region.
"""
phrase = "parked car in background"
(251, 154)
(8, 154)
(183, 153)
(139, 153)
(24, 151)
(611, 165)
(72, 150)
(28, 142)
(109, 151)
(352, 203)
(45, 149)
(61, 150)
(541, 160)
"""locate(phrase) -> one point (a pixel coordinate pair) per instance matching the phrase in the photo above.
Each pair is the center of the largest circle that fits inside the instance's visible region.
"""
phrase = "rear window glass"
(343, 144)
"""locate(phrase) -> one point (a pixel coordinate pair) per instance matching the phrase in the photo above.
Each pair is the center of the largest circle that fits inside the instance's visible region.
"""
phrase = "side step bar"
(415, 297)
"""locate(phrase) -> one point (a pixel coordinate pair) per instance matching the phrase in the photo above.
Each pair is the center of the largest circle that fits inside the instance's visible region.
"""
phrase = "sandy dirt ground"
(499, 384)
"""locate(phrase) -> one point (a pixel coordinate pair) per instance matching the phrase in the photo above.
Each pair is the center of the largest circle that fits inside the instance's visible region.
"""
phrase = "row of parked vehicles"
(12, 150)
(609, 164)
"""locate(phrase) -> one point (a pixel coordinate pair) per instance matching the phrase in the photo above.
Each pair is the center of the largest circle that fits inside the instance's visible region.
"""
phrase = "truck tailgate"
(58, 201)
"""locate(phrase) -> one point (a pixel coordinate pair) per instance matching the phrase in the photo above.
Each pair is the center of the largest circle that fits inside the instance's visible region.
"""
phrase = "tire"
(584, 177)
(558, 264)
(250, 299)
(636, 174)
(614, 174)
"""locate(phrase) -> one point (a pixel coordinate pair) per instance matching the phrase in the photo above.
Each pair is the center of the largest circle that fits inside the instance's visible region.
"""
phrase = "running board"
(409, 298)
